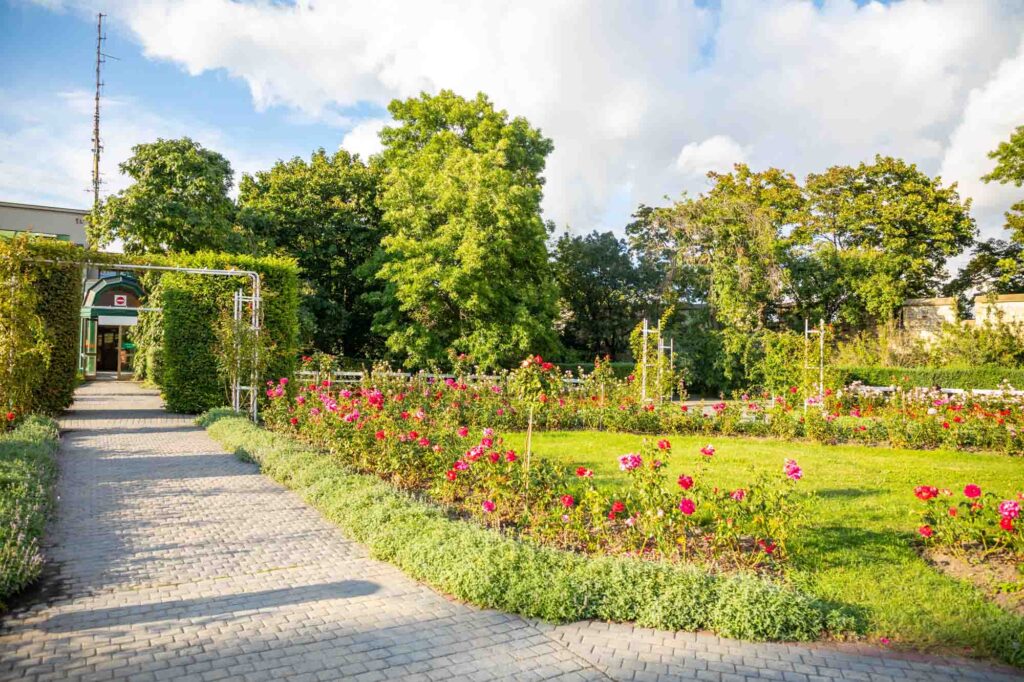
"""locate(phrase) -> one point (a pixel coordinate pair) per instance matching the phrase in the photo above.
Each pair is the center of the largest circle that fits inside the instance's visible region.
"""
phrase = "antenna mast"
(96, 146)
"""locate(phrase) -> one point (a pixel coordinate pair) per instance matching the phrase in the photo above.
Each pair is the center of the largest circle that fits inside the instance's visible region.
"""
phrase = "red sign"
(121, 300)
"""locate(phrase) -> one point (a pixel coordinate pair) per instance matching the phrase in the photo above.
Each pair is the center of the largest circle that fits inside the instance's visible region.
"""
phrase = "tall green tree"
(732, 247)
(324, 214)
(880, 233)
(466, 263)
(178, 201)
(995, 268)
(733, 240)
(603, 292)
(1009, 169)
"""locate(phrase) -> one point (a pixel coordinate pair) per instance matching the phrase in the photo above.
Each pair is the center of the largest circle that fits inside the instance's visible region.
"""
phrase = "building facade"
(65, 224)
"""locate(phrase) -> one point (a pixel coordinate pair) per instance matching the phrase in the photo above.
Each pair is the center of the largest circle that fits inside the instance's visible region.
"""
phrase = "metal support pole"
(643, 368)
(659, 364)
(821, 358)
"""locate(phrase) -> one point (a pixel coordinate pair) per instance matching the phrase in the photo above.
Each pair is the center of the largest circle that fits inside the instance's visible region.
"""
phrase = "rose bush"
(973, 520)
(435, 437)
(905, 417)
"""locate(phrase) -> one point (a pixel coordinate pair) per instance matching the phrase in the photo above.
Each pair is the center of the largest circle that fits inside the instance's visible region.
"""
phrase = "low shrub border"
(28, 472)
(492, 570)
(967, 378)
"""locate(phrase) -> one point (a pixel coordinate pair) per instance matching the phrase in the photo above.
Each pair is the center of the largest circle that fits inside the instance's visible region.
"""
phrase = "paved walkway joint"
(175, 560)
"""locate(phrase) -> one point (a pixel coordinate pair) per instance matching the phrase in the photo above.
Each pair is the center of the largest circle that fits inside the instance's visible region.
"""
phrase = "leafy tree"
(881, 233)
(324, 214)
(995, 267)
(466, 263)
(732, 247)
(1009, 158)
(178, 201)
(602, 289)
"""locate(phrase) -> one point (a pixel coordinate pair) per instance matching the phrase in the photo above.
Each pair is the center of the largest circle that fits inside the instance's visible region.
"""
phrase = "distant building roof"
(39, 207)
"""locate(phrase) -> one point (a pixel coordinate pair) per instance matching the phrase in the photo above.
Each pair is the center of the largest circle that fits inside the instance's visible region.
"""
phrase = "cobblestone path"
(173, 560)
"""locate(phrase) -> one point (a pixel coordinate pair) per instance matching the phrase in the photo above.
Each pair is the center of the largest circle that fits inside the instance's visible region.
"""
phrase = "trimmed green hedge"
(59, 304)
(496, 571)
(28, 472)
(985, 376)
(192, 304)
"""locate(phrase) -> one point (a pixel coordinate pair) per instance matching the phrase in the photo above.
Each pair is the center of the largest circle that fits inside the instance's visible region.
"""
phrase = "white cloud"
(363, 138)
(47, 155)
(992, 113)
(621, 87)
(717, 153)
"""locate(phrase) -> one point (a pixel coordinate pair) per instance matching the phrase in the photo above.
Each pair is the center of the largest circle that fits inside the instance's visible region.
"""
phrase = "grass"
(27, 474)
(859, 545)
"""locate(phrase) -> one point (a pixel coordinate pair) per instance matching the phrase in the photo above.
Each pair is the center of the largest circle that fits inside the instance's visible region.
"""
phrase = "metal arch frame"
(254, 320)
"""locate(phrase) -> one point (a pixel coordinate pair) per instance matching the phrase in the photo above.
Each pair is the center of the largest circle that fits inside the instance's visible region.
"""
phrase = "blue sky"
(640, 99)
(48, 53)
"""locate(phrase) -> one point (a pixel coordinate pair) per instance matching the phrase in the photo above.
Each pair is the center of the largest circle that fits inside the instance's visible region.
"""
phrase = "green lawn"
(858, 548)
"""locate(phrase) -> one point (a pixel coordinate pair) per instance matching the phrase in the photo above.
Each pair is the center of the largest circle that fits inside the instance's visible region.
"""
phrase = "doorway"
(114, 350)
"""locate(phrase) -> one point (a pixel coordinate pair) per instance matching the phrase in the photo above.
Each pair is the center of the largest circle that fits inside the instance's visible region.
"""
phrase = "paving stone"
(178, 561)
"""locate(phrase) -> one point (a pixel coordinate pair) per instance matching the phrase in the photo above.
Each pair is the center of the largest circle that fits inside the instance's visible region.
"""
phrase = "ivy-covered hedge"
(28, 472)
(493, 570)
(192, 305)
(982, 377)
(59, 304)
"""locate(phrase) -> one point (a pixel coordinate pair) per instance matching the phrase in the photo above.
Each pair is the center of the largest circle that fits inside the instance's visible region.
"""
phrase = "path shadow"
(832, 545)
(847, 493)
(120, 430)
(206, 607)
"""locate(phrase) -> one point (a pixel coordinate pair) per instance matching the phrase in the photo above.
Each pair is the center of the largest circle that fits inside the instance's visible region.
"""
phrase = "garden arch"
(246, 306)
(240, 392)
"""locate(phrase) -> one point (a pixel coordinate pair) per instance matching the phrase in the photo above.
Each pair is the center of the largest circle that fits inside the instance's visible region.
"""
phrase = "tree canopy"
(178, 201)
(880, 232)
(603, 291)
(466, 265)
(324, 213)
(1009, 169)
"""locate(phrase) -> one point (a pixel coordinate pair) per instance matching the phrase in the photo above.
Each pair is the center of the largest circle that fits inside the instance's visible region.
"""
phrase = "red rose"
(584, 472)
(10, 416)
(293, 421)
(380, 435)
(685, 482)
(1006, 523)
(451, 474)
(972, 491)
(926, 531)
(618, 507)
(952, 511)
(568, 501)
(926, 492)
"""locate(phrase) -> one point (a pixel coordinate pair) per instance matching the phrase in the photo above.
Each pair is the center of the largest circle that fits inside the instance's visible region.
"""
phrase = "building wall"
(925, 316)
(67, 224)
(1008, 307)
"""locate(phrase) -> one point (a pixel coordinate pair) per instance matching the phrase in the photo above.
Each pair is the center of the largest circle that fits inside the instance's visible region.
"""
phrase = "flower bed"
(414, 436)
(905, 417)
(496, 570)
(27, 474)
